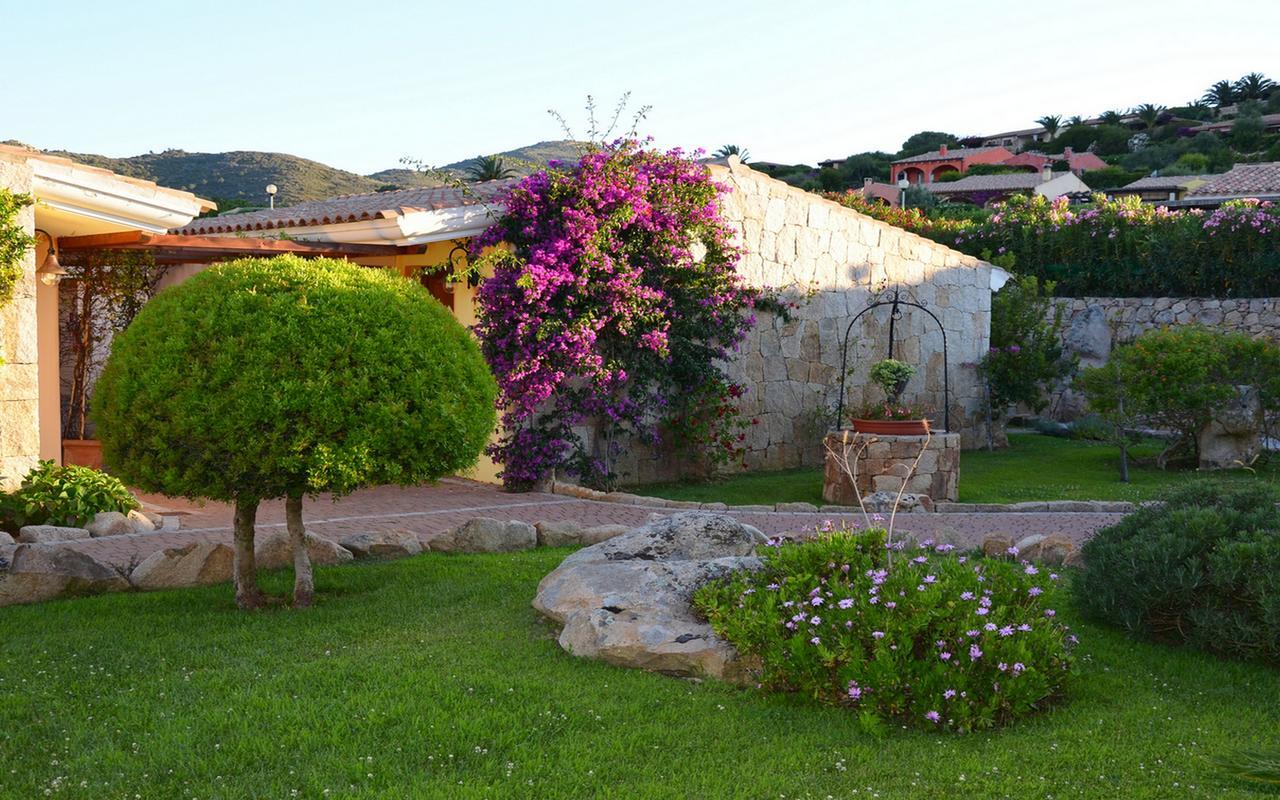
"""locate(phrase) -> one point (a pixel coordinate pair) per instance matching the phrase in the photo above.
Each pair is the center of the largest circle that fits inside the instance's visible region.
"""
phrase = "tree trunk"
(248, 595)
(304, 586)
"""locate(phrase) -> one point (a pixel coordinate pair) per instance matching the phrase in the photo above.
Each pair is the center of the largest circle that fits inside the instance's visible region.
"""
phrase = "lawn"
(432, 677)
(1034, 467)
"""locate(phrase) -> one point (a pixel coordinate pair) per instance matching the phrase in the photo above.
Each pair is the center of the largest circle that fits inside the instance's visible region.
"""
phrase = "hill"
(240, 177)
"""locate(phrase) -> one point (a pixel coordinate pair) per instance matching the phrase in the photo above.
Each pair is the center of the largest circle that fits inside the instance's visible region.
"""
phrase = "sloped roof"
(354, 208)
(936, 155)
(31, 154)
(983, 183)
(1243, 180)
(1163, 182)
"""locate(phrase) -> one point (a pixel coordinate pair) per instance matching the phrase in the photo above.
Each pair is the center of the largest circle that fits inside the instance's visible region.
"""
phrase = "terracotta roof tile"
(983, 183)
(936, 155)
(353, 208)
(1243, 180)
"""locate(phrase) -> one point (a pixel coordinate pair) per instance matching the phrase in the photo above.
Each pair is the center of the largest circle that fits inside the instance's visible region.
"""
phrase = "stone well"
(884, 460)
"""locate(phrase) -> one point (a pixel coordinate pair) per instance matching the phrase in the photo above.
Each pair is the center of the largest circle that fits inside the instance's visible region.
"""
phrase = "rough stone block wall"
(1129, 317)
(832, 261)
(882, 462)
(19, 391)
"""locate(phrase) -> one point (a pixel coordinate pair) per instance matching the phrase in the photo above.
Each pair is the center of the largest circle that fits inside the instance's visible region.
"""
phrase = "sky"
(363, 85)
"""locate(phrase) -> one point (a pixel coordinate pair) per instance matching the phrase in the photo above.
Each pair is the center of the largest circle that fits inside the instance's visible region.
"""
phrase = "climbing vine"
(612, 306)
(14, 242)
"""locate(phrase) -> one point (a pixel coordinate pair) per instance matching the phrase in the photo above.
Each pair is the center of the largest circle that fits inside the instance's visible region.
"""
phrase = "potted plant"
(892, 417)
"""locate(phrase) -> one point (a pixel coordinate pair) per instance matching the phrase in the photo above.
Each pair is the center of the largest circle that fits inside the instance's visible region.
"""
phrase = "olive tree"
(284, 378)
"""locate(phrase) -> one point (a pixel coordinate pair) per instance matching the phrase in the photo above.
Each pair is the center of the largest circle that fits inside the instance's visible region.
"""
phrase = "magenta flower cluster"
(613, 296)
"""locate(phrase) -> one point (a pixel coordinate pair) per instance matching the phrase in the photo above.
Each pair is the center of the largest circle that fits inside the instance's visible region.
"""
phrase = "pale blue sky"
(361, 84)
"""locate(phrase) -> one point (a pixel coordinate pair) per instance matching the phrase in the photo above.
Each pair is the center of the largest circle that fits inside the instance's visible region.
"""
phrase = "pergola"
(172, 248)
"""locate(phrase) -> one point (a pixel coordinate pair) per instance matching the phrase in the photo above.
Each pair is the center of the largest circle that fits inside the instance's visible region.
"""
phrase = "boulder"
(883, 502)
(5, 539)
(561, 533)
(997, 545)
(47, 534)
(1234, 438)
(1057, 550)
(382, 544)
(41, 572)
(113, 523)
(1088, 340)
(602, 533)
(486, 535)
(195, 564)
(627, 600)
(275, 551)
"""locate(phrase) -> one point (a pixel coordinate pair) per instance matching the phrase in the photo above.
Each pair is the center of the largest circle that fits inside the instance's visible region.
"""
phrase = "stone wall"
(1092, 326)
(831, 261)
(19, 389)
(883, 464)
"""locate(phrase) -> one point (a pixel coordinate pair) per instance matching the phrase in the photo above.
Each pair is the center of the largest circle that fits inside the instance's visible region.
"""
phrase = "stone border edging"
(939, 507)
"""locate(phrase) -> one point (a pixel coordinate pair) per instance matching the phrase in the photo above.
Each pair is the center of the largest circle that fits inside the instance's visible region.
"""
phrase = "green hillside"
(238, 177)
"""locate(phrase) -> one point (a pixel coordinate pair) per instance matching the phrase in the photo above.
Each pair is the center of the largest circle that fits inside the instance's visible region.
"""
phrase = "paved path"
(432, 510)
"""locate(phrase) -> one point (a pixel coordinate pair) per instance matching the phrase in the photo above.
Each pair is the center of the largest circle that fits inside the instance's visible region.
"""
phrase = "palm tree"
(743, 154)
(487, 168)
(1074, 121)
(1254, 86)
(1222, 93)
(1149, 114)
(1050, 125)
(1111, 117)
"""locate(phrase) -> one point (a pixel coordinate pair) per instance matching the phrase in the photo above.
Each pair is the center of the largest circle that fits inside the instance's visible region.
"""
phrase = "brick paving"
(430, 510)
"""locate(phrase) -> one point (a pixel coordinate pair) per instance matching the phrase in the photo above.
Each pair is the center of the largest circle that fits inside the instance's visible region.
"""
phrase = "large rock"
(113, 523)
(43, 572)
(1234, 438)
(486, 535)
(1087, 340)
(48, 534)
(909, 503)
(195, 564)
(383, 544)
(627, 600)
(275, 551)
(567, 533)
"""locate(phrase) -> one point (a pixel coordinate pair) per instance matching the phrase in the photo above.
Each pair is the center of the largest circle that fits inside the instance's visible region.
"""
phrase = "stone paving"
(431, 510)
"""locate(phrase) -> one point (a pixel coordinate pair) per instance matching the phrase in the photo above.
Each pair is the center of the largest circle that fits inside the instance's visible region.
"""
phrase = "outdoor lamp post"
(903, 183)
(271, 194)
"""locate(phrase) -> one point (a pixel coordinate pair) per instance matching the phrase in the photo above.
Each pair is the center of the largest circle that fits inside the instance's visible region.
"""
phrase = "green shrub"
(1178, 378)
(265, 378)
(919, 635)
(1201, 569)
(58, 495)
(1025, 354)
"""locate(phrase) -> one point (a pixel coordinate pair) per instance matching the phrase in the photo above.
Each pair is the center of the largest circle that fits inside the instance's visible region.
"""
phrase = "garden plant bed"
(463, 692)
(1034, 469)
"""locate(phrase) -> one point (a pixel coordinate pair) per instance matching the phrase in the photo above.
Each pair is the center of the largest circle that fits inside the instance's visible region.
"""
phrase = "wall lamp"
(49, 271)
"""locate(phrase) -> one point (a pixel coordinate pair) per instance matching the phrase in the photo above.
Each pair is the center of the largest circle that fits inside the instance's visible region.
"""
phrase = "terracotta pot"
(82, 452)
(892, 427)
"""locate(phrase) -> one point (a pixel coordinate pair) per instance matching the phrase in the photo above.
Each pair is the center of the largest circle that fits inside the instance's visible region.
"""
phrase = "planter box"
(892, 427)
(82, 452)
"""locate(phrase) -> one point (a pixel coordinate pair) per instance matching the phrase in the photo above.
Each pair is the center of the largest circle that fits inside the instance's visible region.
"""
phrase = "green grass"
(432, 677)
(1034, 467)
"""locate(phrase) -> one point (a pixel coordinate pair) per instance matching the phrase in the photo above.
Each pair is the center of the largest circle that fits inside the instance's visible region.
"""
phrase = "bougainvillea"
(613, 296)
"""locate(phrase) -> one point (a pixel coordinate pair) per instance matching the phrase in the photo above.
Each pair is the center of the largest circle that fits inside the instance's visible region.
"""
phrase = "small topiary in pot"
(916, 634)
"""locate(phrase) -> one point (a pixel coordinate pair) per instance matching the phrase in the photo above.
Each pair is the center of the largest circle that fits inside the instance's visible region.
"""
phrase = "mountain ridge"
(238, 178)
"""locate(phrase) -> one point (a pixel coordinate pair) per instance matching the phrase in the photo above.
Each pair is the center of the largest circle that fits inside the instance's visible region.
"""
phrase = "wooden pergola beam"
(171, 246)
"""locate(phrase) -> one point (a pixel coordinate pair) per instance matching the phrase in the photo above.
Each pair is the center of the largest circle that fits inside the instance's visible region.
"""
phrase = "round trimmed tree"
(284, 377)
